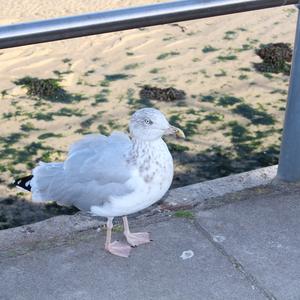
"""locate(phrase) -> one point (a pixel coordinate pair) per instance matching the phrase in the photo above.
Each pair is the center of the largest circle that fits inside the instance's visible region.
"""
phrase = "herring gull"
(111, 176)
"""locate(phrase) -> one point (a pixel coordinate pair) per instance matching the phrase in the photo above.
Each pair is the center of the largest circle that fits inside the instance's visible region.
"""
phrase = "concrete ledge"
(200, 193)
(26, 237)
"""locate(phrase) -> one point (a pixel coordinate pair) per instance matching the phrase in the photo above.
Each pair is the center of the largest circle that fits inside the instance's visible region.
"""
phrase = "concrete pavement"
(248, 248)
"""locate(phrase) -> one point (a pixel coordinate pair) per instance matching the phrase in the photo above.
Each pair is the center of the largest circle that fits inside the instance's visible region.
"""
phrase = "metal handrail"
(127, 18)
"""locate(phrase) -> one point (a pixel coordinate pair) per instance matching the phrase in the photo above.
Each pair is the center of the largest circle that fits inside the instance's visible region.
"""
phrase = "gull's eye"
(148, 122)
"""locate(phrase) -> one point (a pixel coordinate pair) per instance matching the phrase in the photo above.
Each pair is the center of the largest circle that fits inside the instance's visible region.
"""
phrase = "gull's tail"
(44, 183)
(24, 183)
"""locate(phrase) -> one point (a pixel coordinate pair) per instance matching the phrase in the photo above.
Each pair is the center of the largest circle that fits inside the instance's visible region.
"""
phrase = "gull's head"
(150, 124)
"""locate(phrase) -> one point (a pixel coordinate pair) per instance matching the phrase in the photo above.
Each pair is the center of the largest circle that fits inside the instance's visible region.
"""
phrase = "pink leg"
(135, 239)
(115, 247)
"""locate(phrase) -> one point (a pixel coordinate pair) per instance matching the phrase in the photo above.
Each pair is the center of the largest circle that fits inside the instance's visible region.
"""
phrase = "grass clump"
(227, 57)
(167, 55)
(4, 93)
(47, 89)
(28, 127)
(167, 95)
(69, 112)
(230, 35)
(118, 76)
(243, 77)
(155, 70)
(276, 58)
(209, 48)
(214, 117)
(184, 214)
(208, 98)
(47, 135)
(102, 96)
(131, 66)
(245, 69)
(177, 148)
(256, 116)
(221, 74)
(103, 129)
(226, 101)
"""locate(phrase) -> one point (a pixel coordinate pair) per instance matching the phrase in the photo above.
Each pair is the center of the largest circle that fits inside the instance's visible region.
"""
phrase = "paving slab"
(80, 269)
(261, 231)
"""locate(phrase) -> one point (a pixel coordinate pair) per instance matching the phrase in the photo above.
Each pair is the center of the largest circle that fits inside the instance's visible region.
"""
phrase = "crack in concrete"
(236, 264)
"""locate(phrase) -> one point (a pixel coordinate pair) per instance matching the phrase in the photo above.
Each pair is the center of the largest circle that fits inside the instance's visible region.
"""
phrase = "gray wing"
(99, 158)
(95, 170)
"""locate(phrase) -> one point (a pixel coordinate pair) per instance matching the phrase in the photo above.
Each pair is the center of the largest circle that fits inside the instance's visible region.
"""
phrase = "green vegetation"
(4, 93)
(132, 66)
(245, 69)
(101, 97)
(221, 74)
(256, 116)
(230, 35)
(104, 83)
(213, 117)
(118, 76)
(118, 228)
(209, 48)
(226, 101)
(61, 73)
(184, 214)
(243, 77)
(137, 103)
(66, 60)
(28, 127)
(47, 89)
(103, 129)
(276, 58)
(245, 47)
(89, 72)
(279, 91)
(177, 147)
(47, 135)
(208, 98)
(155, 70)
(168, 55)
(227, 57)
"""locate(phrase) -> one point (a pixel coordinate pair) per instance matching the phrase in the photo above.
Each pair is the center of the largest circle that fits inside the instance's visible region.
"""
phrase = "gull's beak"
(175, 131)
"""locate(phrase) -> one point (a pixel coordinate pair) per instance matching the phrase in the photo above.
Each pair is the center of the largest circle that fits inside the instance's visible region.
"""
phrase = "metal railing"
(168, 12)
(128, 18)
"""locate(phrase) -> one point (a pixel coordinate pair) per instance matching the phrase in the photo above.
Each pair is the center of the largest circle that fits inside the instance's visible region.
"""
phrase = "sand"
(161, 56)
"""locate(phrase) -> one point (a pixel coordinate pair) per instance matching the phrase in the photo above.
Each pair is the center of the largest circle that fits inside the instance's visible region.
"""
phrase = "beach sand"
(208, 59)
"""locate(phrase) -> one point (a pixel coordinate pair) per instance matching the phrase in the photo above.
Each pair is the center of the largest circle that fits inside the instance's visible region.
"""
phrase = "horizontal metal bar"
(122, 19)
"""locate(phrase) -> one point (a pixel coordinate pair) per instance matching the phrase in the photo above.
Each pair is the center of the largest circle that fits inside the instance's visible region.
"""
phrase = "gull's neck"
(143, 149)
(140, 145)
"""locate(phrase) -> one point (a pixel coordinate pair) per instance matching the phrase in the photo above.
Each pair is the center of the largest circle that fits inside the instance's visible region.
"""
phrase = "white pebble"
(187, 254)
(219, 238)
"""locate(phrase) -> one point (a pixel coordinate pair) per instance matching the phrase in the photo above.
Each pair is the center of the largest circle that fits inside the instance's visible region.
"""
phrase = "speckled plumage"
(111, 176)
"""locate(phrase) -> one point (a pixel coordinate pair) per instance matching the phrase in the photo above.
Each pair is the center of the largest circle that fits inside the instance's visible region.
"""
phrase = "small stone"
(187, 254)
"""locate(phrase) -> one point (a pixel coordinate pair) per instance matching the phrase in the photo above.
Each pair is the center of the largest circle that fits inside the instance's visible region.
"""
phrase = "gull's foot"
(138, 238)
(118, 249)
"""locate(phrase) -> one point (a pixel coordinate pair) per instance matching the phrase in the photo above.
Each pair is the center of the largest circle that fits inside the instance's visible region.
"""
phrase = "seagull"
(111, 176)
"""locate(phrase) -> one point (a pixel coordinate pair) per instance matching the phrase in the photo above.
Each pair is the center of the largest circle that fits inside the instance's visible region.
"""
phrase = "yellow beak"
(176, 131)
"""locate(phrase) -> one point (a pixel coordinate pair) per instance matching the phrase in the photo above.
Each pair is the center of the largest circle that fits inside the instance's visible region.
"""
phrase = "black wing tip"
(24, 182)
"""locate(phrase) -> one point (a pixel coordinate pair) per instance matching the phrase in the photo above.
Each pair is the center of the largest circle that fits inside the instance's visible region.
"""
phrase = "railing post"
(289, 160)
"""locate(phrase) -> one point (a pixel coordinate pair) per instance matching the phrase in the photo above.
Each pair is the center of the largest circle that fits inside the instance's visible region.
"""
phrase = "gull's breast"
(150, 181)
